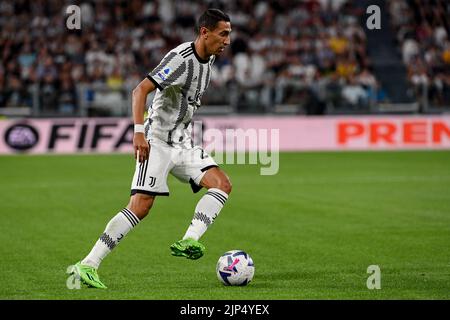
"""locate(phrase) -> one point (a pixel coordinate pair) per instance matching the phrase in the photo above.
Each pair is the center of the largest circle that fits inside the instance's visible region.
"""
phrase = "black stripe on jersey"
(187, 54)
(145, 172)
(169, 137)
(148, 123)
(163, 63)
(184, 102)
(200, 78)
(208, 71)
(141, 166)
(174, 75)
(149, 77)
(142, 173)
(186, 49)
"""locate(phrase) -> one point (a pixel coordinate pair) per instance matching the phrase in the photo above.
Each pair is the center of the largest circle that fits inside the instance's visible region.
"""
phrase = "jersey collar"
(197, 56)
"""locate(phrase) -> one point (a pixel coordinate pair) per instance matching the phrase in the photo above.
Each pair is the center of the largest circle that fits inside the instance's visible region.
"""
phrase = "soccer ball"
(235, 268)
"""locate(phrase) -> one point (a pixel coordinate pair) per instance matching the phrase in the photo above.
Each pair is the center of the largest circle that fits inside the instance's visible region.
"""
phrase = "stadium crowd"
(422, 28)
(307, 52)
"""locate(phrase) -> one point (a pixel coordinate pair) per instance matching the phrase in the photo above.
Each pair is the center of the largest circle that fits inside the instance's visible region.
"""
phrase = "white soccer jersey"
(181, 78)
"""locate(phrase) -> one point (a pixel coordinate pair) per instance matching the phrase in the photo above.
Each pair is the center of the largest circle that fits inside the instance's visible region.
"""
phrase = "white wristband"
(139, 128)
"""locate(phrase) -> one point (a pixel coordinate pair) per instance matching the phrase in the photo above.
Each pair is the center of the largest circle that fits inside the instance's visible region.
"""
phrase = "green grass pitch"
(312, 230)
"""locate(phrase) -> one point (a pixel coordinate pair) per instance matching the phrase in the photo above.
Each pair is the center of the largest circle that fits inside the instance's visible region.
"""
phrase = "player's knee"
(225, 185)
(215, 178)
(140, 204)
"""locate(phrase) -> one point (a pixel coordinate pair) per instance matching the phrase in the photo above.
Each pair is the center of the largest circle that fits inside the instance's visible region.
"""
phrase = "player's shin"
(208, 208)
(115, 230)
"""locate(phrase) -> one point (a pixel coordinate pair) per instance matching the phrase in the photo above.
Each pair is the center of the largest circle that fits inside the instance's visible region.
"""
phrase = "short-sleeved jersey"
(181, 78)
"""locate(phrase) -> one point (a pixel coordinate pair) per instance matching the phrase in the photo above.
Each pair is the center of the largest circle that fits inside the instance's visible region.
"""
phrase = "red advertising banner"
(234, 133)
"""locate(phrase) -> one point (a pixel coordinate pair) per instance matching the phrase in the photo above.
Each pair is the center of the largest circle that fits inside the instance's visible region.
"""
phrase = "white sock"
(207, 210)
(116, 229)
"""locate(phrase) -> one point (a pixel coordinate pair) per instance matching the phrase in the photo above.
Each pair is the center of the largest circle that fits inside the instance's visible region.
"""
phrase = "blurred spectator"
(410, 49)
(346, 68)
(276, 46)
(366, 78)
(338, 43)
(15, 93)
(67, 99)
(115, 80)
(422, 32)
(354, 93)
(49, 93)
(250, 73)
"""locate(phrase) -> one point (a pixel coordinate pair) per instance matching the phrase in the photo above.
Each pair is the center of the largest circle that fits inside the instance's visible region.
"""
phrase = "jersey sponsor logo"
(164, 74)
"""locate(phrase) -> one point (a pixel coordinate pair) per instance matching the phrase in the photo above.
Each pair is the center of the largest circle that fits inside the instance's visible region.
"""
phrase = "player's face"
(217, 39)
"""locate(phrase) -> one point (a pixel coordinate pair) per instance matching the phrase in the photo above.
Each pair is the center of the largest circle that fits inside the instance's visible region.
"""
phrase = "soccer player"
(163, 145)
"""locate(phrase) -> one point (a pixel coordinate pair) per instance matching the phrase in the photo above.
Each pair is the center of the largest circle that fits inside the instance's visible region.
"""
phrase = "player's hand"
(141, 147)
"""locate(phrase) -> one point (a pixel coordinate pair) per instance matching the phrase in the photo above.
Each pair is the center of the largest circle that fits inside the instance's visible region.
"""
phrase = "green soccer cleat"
(188, 248)
(89, 276)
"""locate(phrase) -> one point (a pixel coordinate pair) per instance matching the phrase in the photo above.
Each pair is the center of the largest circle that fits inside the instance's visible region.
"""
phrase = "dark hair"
(210, 18)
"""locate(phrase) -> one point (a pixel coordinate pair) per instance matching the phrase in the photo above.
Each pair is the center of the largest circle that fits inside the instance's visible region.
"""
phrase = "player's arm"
(138, 104)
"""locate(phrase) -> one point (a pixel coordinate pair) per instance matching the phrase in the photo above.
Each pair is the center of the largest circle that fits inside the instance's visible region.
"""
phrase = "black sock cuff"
(130, 216)
(221, 196)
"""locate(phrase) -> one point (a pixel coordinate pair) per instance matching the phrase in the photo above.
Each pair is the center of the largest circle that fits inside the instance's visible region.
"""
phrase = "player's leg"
(212, 202)
(149, 180)
(202, 172)
(216, 178)
(116, 229)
